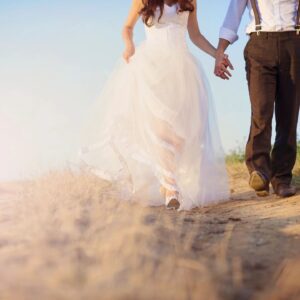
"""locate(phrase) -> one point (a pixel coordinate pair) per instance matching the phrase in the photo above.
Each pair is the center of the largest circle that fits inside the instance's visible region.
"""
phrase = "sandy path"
(68, 237)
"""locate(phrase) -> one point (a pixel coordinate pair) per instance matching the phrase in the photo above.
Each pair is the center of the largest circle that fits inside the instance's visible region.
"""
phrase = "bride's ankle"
(169, 193)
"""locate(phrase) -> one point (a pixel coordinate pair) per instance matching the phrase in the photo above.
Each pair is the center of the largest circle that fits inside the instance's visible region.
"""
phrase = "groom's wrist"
(222, 46)
(219, 53)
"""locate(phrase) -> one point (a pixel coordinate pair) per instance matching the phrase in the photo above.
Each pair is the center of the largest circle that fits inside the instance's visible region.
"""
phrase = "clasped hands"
(222, 66)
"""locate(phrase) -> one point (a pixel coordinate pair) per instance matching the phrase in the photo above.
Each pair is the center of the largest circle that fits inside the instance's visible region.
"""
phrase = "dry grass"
(66, 236)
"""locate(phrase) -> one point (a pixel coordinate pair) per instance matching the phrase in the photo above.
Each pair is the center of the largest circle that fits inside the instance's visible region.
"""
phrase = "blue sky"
(56, 55)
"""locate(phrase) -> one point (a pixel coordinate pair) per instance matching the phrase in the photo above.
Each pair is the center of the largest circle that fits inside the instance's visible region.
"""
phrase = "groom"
(272, 57)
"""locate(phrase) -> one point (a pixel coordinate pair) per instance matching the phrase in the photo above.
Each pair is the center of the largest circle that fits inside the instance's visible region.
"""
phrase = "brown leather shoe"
(259, 183)
(284, 190)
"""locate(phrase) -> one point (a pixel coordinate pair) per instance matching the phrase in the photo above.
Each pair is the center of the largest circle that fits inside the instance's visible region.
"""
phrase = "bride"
(153, 132)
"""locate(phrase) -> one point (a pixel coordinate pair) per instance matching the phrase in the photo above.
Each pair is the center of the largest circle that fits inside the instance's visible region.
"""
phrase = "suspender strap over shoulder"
(297, 27)
(258, 26)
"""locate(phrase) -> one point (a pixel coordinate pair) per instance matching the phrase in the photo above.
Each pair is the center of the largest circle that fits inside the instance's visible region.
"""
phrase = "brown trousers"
(273, 74)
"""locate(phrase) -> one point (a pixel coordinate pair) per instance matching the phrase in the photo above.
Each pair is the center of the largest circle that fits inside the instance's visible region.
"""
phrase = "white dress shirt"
(275, 15)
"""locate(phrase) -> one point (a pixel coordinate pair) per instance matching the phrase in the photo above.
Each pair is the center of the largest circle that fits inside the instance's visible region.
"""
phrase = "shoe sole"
(173, 204)
(258, 184)
(286, 195)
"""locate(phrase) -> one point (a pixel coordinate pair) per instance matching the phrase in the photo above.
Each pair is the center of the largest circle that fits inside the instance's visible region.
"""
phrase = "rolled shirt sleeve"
(232, 20)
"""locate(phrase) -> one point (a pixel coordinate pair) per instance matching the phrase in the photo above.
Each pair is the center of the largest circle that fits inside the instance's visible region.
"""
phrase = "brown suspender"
(297, 27)
(257, 17)
(258, 26)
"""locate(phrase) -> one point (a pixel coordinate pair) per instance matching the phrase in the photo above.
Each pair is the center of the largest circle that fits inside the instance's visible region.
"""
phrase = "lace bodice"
(171, 16)
(171, 27)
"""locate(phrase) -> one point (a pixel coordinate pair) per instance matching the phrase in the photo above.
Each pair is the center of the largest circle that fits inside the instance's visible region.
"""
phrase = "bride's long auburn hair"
(150, 6)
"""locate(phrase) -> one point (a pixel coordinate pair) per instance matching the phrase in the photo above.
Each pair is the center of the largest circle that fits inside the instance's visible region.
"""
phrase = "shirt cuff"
(228, 34)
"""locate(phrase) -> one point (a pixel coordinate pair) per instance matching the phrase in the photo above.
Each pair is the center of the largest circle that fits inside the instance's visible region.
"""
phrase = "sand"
(67, 236)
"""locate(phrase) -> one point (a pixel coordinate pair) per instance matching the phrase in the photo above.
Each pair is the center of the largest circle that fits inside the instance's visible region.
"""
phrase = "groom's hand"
(221, 66)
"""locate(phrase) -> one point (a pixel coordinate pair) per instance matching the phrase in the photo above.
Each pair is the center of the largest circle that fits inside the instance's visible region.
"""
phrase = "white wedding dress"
(154, 123)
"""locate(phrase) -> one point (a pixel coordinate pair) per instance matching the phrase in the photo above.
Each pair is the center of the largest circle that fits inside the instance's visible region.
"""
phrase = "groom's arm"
(232, 20)
(228, 32)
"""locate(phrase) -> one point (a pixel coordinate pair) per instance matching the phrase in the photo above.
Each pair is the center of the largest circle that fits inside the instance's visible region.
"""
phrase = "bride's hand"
(128, 52)
(222, 65)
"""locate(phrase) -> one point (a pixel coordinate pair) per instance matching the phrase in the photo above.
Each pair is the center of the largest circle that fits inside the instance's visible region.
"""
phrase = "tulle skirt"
(154, 125)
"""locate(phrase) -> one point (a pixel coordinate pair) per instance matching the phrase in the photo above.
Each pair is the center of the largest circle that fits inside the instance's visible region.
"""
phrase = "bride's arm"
(127, 32)
(200, 41)
(195, 35)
